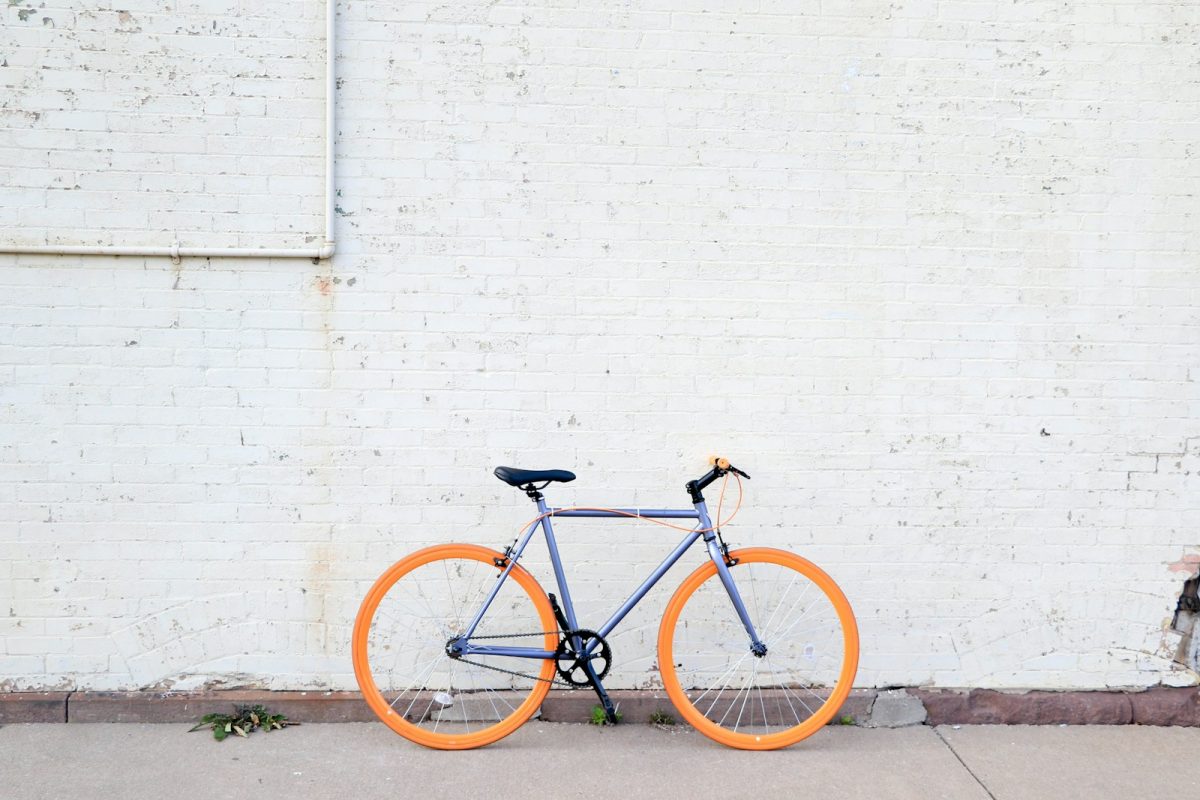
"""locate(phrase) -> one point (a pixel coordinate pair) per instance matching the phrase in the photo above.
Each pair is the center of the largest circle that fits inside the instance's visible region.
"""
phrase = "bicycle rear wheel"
(750, 702)
(400, 648)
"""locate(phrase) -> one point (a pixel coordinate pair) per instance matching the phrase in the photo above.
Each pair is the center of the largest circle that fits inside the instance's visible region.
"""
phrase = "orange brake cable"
(620, 513)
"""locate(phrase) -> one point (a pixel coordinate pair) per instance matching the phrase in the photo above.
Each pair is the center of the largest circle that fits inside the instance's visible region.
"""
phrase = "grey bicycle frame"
(704, 527)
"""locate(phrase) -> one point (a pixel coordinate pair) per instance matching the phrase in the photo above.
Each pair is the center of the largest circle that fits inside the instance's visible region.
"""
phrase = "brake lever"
(737, 471)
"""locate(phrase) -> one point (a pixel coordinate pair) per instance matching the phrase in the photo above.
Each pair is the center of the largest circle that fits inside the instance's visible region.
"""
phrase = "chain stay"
(552, 681)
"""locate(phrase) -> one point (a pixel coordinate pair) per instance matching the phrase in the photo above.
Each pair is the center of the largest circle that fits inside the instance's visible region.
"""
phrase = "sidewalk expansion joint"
(971, 772)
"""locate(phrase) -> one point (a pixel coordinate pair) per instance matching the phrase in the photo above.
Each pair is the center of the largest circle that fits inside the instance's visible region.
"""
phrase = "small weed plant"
(243, 722)
(661, 718)
(600, 718)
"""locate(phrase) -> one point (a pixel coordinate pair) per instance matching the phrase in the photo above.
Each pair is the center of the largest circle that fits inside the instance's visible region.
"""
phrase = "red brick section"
(1165, 706)
(190, 706)
(1156, 706)
(986, 707)
(33, 707)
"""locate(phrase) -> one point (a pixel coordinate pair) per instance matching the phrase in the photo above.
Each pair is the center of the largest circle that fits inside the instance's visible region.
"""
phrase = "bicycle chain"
(551, 681)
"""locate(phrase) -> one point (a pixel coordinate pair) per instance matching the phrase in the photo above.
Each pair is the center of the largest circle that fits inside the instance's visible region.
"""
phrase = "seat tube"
(718, 558)
(560, 577)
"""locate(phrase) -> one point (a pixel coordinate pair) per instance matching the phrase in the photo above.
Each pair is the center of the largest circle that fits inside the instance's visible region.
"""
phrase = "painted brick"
(870, 259)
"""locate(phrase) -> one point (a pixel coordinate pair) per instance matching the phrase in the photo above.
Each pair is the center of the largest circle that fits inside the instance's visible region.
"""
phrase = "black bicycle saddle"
(520, 477)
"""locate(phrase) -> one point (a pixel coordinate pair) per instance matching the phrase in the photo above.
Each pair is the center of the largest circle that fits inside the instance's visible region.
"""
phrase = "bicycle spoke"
(797, 602)
(424, 675)
(771, 619)
(413, 686)
(728, 678)
(735, 697)
(783, 694)
(417, 696)
(803, 615)
(461, 705)
(789, 693)
(723, 675)
(749, 694)
(491, 695)
(762, 703)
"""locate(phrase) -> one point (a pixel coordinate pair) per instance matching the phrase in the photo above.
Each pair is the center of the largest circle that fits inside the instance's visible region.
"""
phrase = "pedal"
(610, 711)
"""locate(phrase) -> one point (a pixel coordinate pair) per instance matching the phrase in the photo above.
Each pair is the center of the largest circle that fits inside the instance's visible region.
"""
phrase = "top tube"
(624, 513)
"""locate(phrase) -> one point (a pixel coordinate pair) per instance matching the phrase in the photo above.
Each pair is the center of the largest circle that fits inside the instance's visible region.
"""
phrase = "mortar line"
(938, 732)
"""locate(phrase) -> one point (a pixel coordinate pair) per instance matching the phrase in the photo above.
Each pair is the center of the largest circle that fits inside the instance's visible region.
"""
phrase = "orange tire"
(438, 612)
(717, 621)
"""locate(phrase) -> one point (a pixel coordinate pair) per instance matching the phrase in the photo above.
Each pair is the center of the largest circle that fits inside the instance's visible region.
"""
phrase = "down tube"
(647, 584)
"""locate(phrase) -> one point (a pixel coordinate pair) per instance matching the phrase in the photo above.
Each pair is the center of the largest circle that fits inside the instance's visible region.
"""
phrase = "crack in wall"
(1158, 457)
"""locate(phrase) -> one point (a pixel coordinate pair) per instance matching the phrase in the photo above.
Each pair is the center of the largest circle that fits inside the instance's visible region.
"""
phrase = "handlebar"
(723, 466)
(720, 467)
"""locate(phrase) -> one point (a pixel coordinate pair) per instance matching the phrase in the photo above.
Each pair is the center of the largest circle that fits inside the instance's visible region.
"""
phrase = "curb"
(1160, 705)
(190, 706)
(1155, 706)
(33, 706)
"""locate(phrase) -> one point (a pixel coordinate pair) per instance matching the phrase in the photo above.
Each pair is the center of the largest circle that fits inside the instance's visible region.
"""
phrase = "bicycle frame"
(704, 528)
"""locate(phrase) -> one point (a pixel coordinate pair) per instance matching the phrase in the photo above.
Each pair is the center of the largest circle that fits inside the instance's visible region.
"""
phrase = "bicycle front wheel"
(756, 702)
(401, 648)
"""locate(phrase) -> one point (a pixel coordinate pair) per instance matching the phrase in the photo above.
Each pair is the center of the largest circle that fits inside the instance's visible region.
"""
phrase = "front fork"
(719, 553)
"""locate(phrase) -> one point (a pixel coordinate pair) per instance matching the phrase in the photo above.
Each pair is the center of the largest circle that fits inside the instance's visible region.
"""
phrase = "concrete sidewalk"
(358, 761)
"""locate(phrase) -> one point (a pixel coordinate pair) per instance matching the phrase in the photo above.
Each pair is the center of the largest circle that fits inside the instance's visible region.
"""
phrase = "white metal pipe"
(325, 250)
(330, 122)
(169, 252)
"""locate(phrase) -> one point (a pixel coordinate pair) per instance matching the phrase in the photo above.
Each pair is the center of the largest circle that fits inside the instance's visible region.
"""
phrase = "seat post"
(533, 492)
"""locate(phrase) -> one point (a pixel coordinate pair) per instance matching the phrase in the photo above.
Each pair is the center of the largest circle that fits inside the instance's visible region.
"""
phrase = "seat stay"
(513, 557)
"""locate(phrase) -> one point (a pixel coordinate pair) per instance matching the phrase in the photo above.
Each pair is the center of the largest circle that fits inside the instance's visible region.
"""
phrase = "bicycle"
(439, 670)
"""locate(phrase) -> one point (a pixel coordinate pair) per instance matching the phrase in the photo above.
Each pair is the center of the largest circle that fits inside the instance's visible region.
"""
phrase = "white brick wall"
(871, 250)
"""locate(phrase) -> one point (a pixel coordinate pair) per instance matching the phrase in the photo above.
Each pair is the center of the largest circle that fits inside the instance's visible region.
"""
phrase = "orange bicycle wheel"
(759, 702)
(400, 648)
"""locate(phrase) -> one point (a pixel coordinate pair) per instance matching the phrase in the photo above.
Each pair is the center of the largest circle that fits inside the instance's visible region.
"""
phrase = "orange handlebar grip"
(717, 461)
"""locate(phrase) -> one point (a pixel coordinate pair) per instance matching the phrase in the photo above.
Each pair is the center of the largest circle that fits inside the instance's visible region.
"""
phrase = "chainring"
(570, 663)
